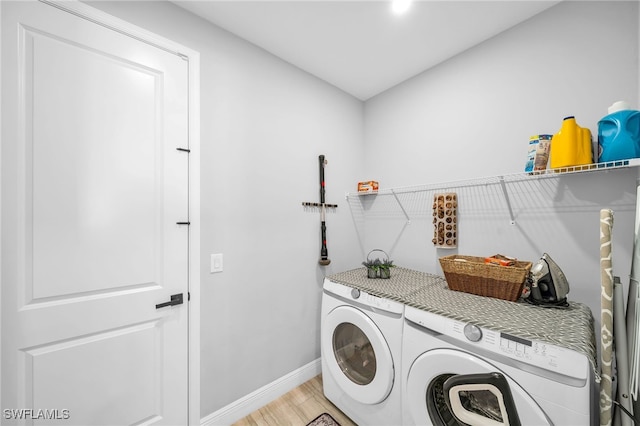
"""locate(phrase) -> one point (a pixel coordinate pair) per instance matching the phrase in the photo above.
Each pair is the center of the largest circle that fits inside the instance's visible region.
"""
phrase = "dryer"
(457, 370)
(361, 339)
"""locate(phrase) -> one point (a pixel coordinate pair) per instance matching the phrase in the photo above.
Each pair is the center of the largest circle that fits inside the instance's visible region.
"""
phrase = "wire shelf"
(498, 179)
(501, 180)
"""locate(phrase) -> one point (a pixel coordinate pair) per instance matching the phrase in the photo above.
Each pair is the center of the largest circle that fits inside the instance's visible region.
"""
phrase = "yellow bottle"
(571, 146)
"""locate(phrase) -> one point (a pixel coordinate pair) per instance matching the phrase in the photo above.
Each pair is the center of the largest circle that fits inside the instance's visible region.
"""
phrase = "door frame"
(193, 57)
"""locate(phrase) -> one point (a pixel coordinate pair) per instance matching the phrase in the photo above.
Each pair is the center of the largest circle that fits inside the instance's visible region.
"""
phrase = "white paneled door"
(94, 223)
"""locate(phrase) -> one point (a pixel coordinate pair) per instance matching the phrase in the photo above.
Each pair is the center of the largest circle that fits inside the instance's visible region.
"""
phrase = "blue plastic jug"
(619, 134)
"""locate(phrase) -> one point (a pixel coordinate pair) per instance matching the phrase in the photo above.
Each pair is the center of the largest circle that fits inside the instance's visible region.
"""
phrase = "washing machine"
(361, 340)
(456, 372)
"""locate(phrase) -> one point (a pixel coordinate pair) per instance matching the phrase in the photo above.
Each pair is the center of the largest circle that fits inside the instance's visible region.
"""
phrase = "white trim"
(193, 57)
(86, 11)
(1, 239)
(194, 238)
(261, 397)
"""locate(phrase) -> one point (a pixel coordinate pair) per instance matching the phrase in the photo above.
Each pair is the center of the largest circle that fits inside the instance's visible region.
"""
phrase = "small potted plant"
(373, 266)
(378, 268)
(385, 268)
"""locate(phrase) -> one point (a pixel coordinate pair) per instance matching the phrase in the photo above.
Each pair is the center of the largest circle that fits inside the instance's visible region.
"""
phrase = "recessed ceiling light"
(400, 6)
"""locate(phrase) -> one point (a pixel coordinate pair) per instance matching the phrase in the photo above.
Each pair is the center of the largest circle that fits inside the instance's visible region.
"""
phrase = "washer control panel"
(540, 354)
(518, 347)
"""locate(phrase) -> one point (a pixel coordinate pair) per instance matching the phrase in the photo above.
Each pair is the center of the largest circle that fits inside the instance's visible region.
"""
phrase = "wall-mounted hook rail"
(329, 206)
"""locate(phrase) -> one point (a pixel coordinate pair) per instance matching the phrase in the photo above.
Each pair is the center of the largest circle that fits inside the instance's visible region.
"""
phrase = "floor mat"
(323, 419)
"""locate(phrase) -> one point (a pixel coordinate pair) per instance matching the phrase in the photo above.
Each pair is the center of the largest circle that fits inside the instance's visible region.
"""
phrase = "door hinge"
(188, 296)
(187, 150)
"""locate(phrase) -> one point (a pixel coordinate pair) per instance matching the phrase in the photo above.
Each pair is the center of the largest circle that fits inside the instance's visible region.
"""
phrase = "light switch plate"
(216, 262)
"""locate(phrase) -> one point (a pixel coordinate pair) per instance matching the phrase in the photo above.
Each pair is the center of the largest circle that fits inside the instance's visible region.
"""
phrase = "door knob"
(176, 299)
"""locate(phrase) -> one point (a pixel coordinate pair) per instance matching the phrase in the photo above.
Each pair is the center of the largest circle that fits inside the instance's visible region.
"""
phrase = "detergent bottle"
(619, 134)
(571, 146)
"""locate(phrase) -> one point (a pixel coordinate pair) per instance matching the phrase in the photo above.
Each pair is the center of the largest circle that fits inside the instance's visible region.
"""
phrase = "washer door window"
(359, 358)
(480, 399)
(451, 387)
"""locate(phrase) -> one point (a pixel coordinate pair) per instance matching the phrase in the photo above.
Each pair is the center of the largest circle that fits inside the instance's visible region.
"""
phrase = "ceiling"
(360, 46)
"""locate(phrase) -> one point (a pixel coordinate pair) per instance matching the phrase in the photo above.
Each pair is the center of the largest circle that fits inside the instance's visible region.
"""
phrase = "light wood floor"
(296, 408)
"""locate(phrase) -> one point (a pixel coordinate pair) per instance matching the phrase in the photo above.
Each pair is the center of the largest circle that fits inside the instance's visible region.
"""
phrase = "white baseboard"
(261, 397)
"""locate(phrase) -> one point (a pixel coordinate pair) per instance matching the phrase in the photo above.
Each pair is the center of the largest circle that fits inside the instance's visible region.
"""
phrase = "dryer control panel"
(356, 296)
(536, 353)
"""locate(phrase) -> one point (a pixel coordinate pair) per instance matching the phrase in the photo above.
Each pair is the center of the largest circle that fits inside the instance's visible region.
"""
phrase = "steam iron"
(548, 284)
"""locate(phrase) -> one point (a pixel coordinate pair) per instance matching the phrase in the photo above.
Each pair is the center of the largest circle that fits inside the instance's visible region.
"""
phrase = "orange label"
(368, 186)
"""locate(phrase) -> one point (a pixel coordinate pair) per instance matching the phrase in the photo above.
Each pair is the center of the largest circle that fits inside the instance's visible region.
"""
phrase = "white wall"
(472, 117)
(264, 123)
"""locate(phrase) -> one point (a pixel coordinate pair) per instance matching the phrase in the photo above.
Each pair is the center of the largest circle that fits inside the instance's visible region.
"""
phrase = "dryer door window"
(354, 353)
(357, 355)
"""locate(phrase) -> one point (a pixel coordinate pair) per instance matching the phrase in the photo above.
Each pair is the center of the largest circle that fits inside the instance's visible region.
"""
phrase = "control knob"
(472, 332)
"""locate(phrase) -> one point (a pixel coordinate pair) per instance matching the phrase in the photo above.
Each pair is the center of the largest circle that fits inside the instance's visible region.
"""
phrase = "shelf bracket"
(401, 207)
(506, 198)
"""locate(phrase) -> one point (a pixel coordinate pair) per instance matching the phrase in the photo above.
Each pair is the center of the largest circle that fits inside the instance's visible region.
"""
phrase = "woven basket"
(471, 274)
